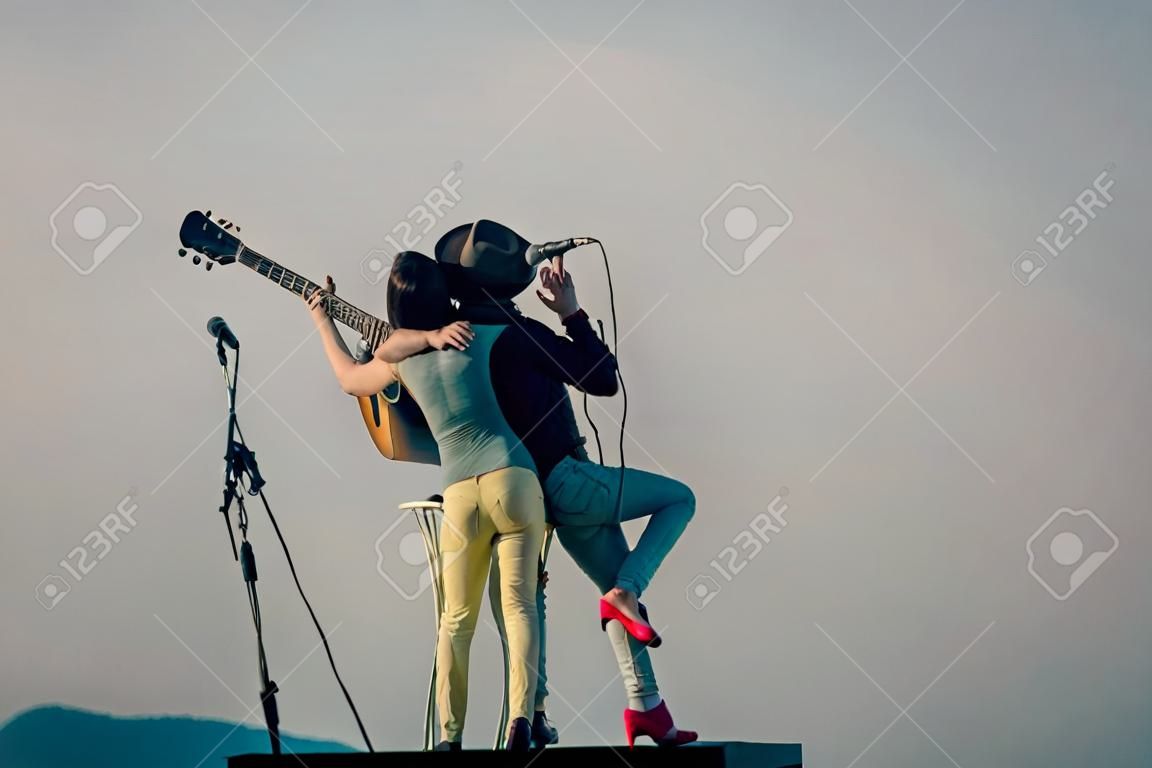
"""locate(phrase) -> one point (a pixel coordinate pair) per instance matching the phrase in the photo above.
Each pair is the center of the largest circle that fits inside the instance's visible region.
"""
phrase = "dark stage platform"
(735, 754)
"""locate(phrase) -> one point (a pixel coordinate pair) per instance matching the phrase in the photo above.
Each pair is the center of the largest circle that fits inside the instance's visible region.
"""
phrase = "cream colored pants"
(500, 513)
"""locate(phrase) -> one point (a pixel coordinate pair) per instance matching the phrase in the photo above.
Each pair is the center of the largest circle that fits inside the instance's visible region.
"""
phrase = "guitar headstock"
(212, 239)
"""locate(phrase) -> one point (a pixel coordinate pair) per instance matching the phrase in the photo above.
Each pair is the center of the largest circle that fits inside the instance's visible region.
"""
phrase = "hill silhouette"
(63, 737)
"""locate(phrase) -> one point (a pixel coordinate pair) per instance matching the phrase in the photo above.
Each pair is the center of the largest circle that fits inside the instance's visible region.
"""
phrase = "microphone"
(220, 331)
(538, 253)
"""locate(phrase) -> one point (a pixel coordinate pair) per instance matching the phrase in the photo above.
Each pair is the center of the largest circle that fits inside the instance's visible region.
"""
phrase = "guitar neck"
(373, 329)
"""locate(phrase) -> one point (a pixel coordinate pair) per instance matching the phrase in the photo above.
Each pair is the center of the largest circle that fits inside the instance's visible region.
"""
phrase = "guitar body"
(398, 427)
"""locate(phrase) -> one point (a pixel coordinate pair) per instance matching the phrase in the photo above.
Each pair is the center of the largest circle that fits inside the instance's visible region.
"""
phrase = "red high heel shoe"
(642, 631)
(655, 724)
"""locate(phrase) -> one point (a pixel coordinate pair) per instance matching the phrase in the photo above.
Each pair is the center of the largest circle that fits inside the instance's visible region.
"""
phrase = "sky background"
(902, 576)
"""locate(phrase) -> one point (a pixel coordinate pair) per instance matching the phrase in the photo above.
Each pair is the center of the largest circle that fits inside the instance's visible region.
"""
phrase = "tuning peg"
(182, 252)
(208, 214)
(228, 225)
(237, 229)
(208, 266)
(220, 221)
(196, 259)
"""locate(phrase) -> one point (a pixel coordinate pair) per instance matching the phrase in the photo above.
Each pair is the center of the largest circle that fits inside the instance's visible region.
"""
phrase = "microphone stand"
(229, 455)
(238, 462)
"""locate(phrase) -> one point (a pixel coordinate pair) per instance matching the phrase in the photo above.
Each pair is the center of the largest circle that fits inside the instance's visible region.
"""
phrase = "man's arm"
(582, 360)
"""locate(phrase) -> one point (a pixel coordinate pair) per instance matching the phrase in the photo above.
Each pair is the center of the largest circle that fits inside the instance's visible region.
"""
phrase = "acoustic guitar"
(394, 421)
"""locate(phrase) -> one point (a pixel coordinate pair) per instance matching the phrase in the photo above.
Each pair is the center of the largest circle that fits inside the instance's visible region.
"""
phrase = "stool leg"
(429, 529)
(548, 531)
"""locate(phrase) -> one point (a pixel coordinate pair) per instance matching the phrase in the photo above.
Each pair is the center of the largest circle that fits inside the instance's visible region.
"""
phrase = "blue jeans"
(581, 500)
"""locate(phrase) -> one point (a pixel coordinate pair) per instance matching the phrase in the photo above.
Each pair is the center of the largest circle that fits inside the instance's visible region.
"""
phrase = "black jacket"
(532, 368)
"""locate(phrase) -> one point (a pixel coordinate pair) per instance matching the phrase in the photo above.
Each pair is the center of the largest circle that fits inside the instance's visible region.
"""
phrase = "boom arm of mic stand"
(246, 463)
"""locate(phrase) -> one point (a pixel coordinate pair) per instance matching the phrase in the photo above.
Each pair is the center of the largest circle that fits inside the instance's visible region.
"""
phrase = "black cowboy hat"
(484, 261)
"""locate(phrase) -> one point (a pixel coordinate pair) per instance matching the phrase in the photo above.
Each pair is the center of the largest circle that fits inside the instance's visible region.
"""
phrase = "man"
(486, 267)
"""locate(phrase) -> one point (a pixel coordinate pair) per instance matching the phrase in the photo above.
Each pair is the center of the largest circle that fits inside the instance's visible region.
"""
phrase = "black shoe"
(543, 733)
(519, 736)
(447, 746)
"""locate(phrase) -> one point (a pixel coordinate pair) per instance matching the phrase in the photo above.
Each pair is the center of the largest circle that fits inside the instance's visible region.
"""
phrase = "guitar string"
(372, 328)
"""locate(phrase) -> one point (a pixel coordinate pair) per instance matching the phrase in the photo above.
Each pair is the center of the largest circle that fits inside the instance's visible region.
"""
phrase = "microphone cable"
(591, 423)
(619, 374)
(588, 416)
(312, 613)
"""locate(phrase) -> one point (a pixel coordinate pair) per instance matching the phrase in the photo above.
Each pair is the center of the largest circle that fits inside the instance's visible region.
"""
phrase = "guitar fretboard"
(373, 329)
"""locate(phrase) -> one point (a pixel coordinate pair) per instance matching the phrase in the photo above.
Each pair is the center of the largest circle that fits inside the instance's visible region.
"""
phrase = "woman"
(492, 501)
